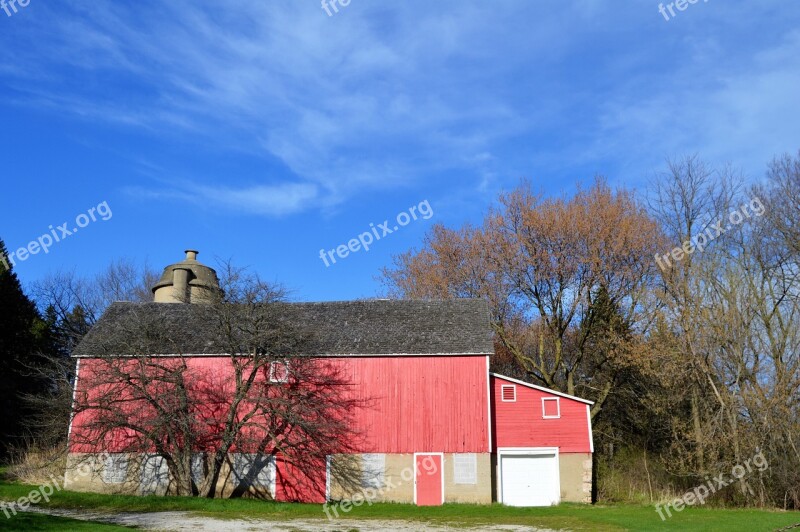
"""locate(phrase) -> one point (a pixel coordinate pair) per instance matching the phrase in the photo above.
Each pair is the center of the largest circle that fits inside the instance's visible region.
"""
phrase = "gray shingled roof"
(374, 327)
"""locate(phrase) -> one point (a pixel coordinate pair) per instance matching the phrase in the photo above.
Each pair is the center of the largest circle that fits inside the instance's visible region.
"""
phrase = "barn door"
(530, 479)
(429, 479)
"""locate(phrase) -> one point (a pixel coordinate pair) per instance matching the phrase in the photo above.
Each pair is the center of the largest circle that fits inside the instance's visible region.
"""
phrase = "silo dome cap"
(200, 274)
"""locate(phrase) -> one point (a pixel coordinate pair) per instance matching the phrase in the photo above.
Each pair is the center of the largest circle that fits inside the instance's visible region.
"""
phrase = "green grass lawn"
(565, 516)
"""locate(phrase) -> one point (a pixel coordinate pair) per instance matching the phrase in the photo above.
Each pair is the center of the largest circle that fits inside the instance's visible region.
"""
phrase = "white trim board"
(328, 459)
(317, 355)
(74, 397)
(489, 401)
(72, 412)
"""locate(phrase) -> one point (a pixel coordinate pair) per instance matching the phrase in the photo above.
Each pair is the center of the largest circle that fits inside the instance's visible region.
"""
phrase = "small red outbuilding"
(542, 444)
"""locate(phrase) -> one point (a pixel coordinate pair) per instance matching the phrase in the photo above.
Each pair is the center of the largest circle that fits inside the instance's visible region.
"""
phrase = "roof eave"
(542, 388)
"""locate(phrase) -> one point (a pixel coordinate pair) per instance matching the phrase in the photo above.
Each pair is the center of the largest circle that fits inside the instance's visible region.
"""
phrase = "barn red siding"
(412, 404)
(423, 404)
(521, 424)
(295, 484)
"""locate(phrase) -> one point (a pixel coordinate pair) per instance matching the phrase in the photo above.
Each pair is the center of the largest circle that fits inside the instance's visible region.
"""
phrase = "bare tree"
(771, 395)
(541, 264)
(730, 313)
(71, 305)
(75, 303)
(688, 200)
(194, 417)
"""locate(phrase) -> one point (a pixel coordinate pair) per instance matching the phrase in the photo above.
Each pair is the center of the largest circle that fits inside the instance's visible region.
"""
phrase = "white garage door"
(530, 479)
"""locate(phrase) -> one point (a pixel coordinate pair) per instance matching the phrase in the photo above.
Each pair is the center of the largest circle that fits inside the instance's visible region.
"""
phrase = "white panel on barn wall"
(465, 468)
(373, 470)
(198, 468)
(255, 470)
(116, 469)
(154, 476)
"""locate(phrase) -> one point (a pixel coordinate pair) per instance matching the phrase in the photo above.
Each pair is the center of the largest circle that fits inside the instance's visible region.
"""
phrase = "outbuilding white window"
(465, 468)
(373, 470)
(508, 393)
(551, 408)
(116, 469)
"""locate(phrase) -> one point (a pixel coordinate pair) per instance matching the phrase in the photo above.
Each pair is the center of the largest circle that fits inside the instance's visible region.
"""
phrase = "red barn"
(438, 427)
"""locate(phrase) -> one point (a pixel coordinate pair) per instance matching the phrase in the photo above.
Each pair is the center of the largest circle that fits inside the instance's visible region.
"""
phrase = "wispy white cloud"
(396, 95)
(264, 200)
(743, 115)
(277, 200)
(369, 99)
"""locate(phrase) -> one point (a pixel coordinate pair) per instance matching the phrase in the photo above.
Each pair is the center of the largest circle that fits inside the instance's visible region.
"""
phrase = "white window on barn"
(551, 409)
(116, 469)
(279, 371)
(373, 470)
(254, 470)
(465, 468)
(508, 393)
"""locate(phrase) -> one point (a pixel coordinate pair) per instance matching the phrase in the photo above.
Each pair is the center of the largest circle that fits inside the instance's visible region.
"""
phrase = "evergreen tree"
(23, 334)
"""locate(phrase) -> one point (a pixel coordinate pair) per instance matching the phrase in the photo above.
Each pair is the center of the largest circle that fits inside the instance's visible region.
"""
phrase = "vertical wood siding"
(411, 404)
(521, 424)
(423, 404)
(294, 484)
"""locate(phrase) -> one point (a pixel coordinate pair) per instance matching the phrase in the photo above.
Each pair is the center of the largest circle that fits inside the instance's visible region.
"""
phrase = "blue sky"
(266, 131)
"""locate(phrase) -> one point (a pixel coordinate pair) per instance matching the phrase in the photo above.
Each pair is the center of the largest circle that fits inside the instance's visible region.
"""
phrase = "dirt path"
(184, 521)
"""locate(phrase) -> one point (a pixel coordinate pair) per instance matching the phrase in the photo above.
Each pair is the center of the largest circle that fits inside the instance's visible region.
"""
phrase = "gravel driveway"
(184, 521)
